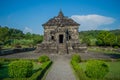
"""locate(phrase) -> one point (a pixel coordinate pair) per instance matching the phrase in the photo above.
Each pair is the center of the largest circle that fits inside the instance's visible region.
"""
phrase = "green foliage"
(15, 33)
(118, 40)
(3, 34)
(16, 38)
(114, 73)
(1, 61)
(20, 69)
(79, 71)
(106, 38)
(37, 38)
(116, 47)
(96, 69)
(28, 35)
(28, 43)
(99, 42)
(100, 37)
(39, 74)
(1, 45)
(77, 68)
(86, 40)
(91, 38)
(76, 58)
(43, 58)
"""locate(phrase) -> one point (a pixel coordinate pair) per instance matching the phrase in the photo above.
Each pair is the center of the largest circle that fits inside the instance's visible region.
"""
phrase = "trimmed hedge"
(76, 58)
(79, 71)
(43, 58)
(37, 75)
(20, 69)
(96, 69)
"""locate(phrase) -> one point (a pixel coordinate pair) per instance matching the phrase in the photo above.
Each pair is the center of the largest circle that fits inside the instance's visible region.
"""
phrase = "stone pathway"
(61, 68)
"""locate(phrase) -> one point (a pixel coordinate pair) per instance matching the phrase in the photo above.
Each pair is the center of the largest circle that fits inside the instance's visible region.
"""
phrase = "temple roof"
(61, 20)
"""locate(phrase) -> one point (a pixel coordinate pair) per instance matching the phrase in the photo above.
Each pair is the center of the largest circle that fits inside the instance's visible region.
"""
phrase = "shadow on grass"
(4, 71)
(34, 71)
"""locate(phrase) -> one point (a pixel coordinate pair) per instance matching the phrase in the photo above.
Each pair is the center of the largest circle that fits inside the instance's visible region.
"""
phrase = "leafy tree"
(100, 37)
(23, 42)
(86, 40)
(3, 34)
(37, 38)
(99, 42)
(111, 39)
(118, 40)
(106, 38)
(15, 34)
(28, 35)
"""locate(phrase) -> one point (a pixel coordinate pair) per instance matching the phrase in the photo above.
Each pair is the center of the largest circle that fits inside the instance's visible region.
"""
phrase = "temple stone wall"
(61, 36)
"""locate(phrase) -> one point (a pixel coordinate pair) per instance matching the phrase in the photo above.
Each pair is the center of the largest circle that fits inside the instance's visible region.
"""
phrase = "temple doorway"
(60, 38)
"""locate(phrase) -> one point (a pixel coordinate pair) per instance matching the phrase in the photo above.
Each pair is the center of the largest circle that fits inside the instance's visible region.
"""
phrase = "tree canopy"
(13, 37)
(101, 37)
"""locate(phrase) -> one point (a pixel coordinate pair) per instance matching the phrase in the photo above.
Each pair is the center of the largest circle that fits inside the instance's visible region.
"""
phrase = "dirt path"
(61, 69)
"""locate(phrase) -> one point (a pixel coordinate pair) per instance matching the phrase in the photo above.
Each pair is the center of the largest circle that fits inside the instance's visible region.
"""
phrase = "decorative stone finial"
(60, 14)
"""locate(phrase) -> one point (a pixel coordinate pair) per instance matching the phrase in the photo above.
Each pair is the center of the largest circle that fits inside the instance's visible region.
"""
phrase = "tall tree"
(106, 38)
(3, 34)
(86, 40)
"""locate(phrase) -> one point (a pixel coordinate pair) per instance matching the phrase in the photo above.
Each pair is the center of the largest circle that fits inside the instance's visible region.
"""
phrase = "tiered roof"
(61, 20)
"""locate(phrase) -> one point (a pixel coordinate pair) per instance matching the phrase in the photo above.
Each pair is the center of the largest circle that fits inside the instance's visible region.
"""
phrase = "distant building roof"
(61, 20)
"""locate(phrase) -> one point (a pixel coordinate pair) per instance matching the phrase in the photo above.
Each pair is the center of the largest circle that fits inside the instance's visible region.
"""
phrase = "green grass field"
(114, 67)
(102, 50)
(114, 73)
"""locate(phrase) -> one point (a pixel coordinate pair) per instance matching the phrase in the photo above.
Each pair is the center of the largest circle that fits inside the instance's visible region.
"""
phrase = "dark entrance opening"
(60, 38)
(52, 37)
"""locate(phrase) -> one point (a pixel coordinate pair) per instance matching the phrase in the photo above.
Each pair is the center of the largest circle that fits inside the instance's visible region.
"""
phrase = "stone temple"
(61, 36)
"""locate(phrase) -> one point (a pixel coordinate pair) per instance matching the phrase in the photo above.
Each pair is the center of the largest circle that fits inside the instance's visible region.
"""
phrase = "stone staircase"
(62, 49)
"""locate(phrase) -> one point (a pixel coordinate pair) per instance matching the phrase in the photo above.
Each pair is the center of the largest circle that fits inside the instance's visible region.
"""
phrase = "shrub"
(20, 69)
(96, 69)
(1, 61)
(76, 58)
(43, 58)
(39, 74)
(78, 70)
(116, 47)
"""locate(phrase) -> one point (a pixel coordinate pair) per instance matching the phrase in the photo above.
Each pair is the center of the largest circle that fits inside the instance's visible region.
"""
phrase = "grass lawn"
(102, 50)
(114, 70)
(114, 73)
(4, 69)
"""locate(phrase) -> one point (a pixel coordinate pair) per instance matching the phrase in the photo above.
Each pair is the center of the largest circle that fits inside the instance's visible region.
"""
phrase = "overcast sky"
(29, 15)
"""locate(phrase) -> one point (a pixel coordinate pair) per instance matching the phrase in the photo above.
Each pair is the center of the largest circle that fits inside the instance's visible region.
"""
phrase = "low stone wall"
(17, 50)
(117, 50)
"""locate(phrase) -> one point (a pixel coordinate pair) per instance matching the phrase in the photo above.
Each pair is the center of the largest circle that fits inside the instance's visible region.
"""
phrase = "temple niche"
(61, 36)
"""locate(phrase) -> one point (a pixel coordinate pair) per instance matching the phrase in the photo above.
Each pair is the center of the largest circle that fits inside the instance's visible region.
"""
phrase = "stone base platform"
(60, 49)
